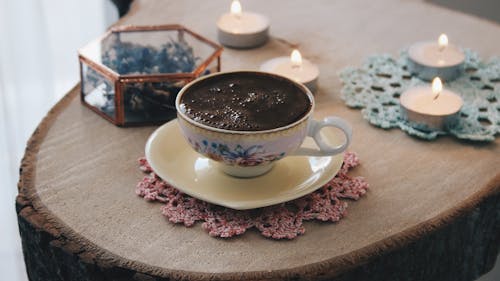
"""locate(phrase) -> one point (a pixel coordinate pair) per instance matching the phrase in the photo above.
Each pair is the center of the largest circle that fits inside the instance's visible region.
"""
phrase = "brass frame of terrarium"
(120, 80)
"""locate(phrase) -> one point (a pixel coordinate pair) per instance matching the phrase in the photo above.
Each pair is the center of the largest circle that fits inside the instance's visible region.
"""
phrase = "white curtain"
(39, 40)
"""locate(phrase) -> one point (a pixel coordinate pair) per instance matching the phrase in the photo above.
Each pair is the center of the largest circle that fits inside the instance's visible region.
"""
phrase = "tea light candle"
(295, 68)
(240, 29)
(430, 107)
(431, 59)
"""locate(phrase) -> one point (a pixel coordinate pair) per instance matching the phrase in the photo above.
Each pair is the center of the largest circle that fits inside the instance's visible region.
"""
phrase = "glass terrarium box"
(132, 74)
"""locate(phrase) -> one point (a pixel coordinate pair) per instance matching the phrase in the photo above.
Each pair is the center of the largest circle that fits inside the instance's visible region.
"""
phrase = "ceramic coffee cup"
(251, 153)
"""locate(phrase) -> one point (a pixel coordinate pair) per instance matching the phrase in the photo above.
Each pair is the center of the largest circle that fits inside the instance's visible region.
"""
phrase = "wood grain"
(431, 213)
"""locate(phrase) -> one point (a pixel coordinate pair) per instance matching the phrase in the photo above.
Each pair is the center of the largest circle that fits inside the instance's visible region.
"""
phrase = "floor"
(11, 260)
(486, 9)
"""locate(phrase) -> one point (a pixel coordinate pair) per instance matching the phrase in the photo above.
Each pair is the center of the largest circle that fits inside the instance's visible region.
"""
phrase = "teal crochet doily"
(375, 87)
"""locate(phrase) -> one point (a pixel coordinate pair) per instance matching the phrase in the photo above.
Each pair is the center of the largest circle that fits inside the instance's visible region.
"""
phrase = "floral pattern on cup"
(252, 156)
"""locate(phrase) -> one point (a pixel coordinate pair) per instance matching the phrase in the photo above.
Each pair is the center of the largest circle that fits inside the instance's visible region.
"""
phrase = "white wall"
(38, 65)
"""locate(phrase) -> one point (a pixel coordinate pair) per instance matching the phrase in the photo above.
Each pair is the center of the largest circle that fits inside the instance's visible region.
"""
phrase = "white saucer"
(176, 162)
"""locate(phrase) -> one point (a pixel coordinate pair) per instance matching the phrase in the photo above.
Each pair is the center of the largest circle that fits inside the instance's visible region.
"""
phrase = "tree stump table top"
(429, 202)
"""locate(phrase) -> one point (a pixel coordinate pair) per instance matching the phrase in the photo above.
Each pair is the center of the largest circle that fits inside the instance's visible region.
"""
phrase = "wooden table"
(432, 213)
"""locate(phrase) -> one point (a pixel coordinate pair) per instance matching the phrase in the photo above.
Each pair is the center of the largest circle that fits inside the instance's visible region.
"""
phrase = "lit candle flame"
(437, 87)
(236, 8)
(296, 58)
(442, 41)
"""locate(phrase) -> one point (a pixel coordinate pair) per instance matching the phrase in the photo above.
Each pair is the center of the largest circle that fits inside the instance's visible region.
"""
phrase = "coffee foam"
(245, 102)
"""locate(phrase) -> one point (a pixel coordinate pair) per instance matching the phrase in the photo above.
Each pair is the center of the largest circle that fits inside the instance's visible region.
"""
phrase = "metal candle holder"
(428, 72)
(239, 29)
(429, 118)
(427, 122)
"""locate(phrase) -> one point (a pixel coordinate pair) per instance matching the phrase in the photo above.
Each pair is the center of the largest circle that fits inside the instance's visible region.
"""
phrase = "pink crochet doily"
(280, 221)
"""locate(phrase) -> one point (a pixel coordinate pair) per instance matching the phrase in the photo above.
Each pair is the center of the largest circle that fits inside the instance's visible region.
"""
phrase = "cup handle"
(314, 129)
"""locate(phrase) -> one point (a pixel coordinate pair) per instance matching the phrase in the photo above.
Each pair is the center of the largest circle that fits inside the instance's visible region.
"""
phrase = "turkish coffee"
(246, 102)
